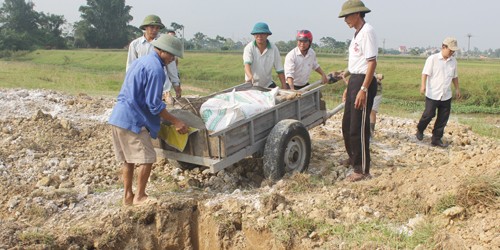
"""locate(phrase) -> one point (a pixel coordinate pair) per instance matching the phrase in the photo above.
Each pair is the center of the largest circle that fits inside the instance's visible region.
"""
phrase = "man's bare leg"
(128, 176)
(142, 179)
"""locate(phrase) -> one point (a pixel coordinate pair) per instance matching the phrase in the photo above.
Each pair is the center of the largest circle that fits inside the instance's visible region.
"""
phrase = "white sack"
(224, 109)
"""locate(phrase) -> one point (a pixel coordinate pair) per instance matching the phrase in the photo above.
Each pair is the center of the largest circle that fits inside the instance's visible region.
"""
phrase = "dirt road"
(60, 188)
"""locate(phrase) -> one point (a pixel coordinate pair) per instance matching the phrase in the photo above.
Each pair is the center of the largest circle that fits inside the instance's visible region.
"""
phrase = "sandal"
(356, 177)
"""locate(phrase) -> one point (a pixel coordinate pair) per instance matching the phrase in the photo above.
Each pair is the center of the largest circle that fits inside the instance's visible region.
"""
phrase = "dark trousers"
(443, 113)
(356, 124)
(300, 87)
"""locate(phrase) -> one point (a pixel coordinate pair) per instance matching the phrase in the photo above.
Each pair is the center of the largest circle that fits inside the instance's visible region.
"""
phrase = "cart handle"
(310, 86)
(334, 111)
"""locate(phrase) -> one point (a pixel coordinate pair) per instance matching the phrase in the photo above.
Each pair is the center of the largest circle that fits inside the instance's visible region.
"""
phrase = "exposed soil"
(60, 188)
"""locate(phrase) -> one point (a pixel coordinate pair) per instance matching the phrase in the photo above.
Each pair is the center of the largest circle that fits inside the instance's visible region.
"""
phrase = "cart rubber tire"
(287, 149)
(182, 165)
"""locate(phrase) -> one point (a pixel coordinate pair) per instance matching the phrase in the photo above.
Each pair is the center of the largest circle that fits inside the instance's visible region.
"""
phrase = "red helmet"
(303, 35)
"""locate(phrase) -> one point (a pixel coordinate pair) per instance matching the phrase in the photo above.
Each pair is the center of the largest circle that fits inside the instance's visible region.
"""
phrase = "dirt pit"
(60, 188)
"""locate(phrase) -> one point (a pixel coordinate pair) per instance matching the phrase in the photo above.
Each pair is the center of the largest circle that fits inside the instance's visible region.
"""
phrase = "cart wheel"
(182, 165)
(288, 149)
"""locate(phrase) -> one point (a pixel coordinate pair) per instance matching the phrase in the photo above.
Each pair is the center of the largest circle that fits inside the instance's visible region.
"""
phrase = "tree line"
(105, 24)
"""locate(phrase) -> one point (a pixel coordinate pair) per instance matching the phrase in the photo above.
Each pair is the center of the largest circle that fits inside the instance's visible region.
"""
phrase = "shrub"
(477, 190)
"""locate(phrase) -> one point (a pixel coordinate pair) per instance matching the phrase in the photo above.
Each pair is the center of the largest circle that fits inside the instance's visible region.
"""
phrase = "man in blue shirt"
(138, 112)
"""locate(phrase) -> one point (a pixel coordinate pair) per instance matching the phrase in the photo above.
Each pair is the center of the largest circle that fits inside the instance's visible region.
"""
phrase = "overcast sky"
(413, 23)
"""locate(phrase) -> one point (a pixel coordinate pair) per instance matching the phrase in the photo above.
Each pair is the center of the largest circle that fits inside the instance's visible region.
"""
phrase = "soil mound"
(60, 188)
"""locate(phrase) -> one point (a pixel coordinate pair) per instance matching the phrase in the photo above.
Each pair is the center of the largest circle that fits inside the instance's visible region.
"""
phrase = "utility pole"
(183, 39)
(469, 35)
(383, 46)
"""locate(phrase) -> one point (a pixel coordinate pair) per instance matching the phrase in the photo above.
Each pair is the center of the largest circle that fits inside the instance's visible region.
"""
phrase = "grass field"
(101, 72)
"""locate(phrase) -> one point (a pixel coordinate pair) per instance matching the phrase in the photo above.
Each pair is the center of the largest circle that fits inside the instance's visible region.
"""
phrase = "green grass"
(288, 227)
(68, 79)
(445, 202)
(36, 238)
(101, 72)
(369, 235)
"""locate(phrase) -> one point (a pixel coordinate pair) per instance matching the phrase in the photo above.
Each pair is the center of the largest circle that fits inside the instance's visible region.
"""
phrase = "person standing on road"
(138, 112)
(440, 70)
(376, 103)
(177, 87)
(259, 58)
(172, 33)
(301, 61)
(361, 89)
(141, 46)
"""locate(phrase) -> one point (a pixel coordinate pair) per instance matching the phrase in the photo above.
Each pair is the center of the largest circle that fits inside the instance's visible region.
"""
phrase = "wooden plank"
(198, 160)
(237, 156)
(263, 126)
(236, 139)
(288, 112)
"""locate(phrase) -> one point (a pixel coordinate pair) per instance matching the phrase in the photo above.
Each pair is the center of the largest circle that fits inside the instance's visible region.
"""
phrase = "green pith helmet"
(353, 6)
(153, 20)
(261, 28)
(169, 43)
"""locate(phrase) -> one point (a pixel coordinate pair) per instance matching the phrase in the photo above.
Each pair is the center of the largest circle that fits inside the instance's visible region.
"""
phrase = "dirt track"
(60, 187)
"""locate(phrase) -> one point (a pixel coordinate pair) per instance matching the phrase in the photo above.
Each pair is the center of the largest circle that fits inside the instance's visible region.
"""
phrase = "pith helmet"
(153, 20)
(261, 28)
(353, 6)
(169, 43)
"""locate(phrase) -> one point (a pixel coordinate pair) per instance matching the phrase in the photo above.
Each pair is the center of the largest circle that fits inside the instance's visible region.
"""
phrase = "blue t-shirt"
(139, 102)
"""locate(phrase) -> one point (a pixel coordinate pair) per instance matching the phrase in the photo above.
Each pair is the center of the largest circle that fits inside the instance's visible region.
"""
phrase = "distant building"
(403, 49)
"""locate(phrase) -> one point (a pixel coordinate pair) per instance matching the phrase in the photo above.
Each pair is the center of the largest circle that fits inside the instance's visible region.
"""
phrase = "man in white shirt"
(440, 70)
(361, 89)
(142, 46)
(259, 58)
(177, 87)
(301, 61)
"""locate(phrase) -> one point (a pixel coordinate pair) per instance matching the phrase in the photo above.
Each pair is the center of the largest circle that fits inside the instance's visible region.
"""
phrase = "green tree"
(327, 44)
(79, 29)
(18, 25)
(218, 42)
(229, 44)
(133, 32)
(50, 27)
(105, 23)
(416, 51)
(177, 28)
(341, 47)
(22, 28)
(199, 40)
(496, 53)
(285, 47)
(18, 15)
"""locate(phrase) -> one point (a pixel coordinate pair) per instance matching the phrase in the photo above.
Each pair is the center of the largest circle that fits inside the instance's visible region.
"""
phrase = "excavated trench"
(184, 224)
